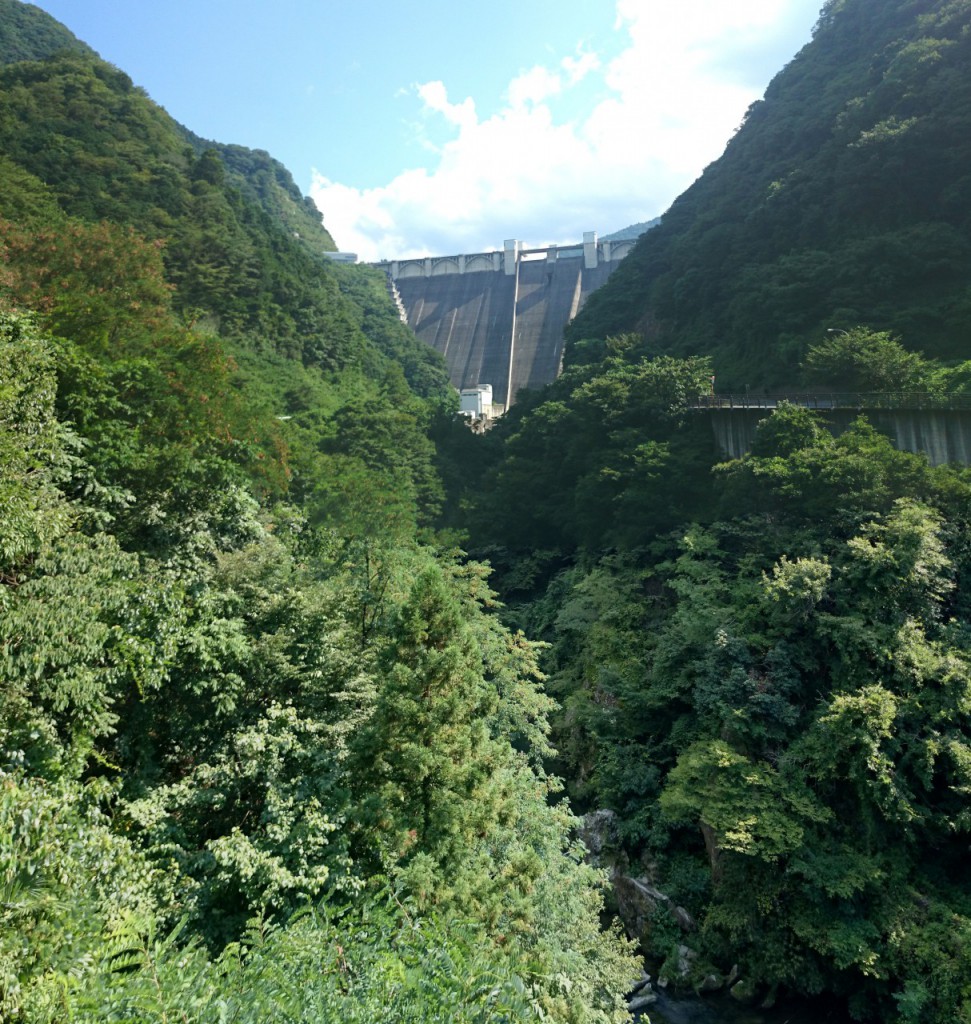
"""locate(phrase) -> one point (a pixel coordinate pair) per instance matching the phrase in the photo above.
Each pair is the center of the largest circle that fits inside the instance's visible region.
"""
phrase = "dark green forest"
(304, 686)
(842, 199)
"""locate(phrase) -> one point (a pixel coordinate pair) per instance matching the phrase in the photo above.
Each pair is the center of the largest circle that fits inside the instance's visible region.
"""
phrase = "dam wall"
(942, 434)
(498, 318)
(469, 319)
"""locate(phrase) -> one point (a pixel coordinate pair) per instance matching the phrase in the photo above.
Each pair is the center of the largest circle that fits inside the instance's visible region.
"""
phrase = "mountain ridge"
(28, 33)
(841, 200)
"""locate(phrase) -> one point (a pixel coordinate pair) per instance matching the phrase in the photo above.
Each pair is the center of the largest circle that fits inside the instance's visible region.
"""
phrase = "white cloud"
(435, 98)
(534, 86)
(666, 105)
(577, 68)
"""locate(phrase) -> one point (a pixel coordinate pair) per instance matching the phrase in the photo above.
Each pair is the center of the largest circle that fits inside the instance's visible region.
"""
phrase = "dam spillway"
(498, 318)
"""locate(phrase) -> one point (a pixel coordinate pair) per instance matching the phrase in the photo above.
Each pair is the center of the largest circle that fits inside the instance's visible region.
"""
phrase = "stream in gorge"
(721, 1008)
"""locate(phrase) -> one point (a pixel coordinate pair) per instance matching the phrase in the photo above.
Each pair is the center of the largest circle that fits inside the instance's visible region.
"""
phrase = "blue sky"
(442, 127)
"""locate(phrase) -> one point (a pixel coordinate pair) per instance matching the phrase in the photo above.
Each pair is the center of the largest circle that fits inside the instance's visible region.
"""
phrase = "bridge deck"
(937, 426)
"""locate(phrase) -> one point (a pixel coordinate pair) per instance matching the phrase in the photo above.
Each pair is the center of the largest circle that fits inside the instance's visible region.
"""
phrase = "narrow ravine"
(722, 1009)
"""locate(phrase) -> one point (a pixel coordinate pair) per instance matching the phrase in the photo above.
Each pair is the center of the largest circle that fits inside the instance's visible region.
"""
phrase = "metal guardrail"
(835, 400)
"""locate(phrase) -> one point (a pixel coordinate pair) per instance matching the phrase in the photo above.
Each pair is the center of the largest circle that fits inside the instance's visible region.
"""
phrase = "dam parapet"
(592, 251)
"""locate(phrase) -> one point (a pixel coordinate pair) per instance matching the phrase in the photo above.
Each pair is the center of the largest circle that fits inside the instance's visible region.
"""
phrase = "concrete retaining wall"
(943, 435)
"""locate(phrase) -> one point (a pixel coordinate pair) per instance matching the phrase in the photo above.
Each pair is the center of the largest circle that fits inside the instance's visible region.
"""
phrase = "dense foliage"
(764, 666)
(27, 33)
(264, 754)
(214, 715)
(271, 748)
(842, 199)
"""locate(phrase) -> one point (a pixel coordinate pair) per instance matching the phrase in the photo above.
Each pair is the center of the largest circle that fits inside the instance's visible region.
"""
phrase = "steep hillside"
(29, 34)
(267, 753)
(843, 199)
(240, 251)
(763, 665)
(104, 151)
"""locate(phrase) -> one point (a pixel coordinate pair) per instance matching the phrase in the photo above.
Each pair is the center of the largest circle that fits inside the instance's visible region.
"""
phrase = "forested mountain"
(763, 666)
(267, 753)
(631, 231)
(271, 748)
(842, 199)
(27, 33)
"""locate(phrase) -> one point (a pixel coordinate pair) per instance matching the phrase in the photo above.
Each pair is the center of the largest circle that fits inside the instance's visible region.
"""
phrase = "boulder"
(743, 990)
(644, 981)
(641, 1002)
(600, 835)
(636, 904)
(685, 921)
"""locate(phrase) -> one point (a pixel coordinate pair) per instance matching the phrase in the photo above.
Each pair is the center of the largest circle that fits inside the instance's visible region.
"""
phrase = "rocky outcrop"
(637, 898)
(641, 994)
(641, 1002)
(744, 991)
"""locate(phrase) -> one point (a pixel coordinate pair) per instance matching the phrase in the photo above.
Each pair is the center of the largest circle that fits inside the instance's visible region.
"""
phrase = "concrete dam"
(498, 317)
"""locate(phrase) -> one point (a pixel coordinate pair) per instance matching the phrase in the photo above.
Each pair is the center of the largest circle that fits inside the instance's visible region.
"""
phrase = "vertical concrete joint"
(510, 397)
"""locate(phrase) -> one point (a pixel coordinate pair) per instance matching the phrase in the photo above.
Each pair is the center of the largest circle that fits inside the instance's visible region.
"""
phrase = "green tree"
(426, 756)
(461, 818)
(864, 360)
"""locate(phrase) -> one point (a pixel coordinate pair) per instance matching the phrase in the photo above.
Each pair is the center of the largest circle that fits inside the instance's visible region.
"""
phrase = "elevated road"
(827, 400)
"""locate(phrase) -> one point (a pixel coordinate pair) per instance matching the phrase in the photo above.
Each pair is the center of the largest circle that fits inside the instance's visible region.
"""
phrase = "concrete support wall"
(469, 319)
(943, 435)
(498, 318)
(547, 299)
